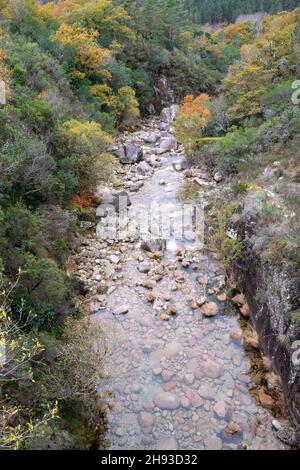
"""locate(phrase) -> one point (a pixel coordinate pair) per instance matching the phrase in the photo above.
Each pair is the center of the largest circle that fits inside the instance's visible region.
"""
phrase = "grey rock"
(121, 310)
(143, 168)
(167, 443)
(129, 153)
(154, 244)
(167, 144)
(168, 115)
(166, 401)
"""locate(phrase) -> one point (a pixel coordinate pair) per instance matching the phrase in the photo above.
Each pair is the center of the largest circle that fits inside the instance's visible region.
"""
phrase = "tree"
(89, 58)
(192, 119)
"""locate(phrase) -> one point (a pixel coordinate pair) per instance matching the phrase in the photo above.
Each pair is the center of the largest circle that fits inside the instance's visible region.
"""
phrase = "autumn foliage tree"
(90, 58)
(192, 119)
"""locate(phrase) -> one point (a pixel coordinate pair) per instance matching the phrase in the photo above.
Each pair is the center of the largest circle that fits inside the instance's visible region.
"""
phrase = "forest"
(77, 74)
(206, 11)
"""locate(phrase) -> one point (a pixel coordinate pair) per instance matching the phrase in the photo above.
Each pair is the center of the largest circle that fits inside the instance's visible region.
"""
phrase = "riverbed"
(179, 374)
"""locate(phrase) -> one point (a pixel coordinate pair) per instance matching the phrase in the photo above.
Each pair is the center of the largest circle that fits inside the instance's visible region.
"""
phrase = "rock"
(165, 317)
(168, 115)
(236, 336)
(220, 409)
(209, 309)
(213, 443)
(167, 375)
(238, 300)
(129, 153)
(265, 399)
(153, 245)
(114, 259)
(218, 177)
(149, 284)
(232, 428)
(162, 182)
(194, 398)
(167, 443)
(143, 168)
(151, 297)
(222, 297)
(148, 137)
(166, 401)
(201, 301)
(146, 420)
(211, 369)
(121, 310)
(144, 267)
(245, 312)
(167, 144)
(289, 436)
(177, 167)
(185, 402)
(276, 424)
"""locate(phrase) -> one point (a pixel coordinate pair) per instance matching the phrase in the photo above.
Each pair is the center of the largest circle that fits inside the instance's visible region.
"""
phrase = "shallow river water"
(182, 383)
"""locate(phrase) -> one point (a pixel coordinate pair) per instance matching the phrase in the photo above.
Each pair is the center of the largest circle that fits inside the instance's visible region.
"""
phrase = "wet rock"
(220, 409)
(153, 245)
(211, 369)
(209, 309)
(222, 297)
(121, 310)
(185, 402)
(236, 336)
(146, 420)
(213, 443)
(201, 301)
(167, 443)
(194, 398)
(167, 375)
(169, 386)
(232, 429)
(166, 401)
(129, 153)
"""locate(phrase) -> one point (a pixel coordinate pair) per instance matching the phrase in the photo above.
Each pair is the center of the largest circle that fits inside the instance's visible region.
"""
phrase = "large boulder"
(167, 144)
(168, 115)
(129, 153)
(153, 245)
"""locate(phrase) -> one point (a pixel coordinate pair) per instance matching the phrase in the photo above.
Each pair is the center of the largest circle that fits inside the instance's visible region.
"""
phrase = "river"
(179, 374)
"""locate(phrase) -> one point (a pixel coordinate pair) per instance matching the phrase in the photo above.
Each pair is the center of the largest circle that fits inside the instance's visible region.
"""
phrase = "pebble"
(121, 310)
(166, 401)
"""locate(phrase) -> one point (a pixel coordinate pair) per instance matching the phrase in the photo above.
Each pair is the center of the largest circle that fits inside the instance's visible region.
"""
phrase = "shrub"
(86, 142)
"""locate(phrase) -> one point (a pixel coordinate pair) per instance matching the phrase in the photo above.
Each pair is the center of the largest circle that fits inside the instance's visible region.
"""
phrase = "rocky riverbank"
(179, 373)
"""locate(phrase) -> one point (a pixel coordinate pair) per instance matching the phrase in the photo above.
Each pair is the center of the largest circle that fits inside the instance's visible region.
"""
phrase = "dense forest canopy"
(215, 11)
